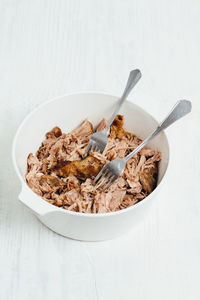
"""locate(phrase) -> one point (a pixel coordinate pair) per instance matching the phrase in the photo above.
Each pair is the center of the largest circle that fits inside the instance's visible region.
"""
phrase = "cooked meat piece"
(33, 163)
(82, 169)
(51, 139)
(55, 132)
(88, 187)
(83, 130)
(116, 130)
(100, 157)
(147, 152)
(72, 196)
(118, 184)
(50, 184)
(72, 183)
(81, 152)
(52, 181)
(127, 201)
(117, 198)
(58, 149)
(102, 202)
(59, 197)
(101, 125)
(34, 173)
(148, 178)
(134, 185)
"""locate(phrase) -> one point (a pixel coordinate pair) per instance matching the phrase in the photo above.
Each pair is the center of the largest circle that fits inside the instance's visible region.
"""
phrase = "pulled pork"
(60, 175)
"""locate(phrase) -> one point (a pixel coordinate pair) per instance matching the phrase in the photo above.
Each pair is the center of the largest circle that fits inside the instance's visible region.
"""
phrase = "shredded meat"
(101, 125)
(59, 173)
(54, 133)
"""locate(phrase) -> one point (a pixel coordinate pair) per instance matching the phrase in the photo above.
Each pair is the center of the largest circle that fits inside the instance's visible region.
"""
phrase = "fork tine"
(95, 148)
(98, 149)
(106, 172)
(88, 149)
(101, 181)
(99, 174)
(104, 178)
(92, 148)
(109, 183)
(107, 180)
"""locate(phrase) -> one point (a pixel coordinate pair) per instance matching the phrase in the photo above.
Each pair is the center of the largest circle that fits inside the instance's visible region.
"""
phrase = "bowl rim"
(65, 211)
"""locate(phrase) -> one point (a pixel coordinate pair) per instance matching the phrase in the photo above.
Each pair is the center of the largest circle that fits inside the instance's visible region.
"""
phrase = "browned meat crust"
(88, 167)
(148, 178)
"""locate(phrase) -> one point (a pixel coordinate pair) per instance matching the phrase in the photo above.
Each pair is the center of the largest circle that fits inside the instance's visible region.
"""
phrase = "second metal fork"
(98, 140)
(115, 168)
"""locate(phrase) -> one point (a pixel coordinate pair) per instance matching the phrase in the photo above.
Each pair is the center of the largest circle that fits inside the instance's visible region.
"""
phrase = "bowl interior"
(69, 111)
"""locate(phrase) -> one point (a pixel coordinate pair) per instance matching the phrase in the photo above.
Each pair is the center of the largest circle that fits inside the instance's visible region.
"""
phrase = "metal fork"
(115, 168)
(98, 140)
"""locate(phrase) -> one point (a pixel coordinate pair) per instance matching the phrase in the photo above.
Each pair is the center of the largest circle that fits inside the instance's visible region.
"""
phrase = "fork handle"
(134, 76)
(181, 108)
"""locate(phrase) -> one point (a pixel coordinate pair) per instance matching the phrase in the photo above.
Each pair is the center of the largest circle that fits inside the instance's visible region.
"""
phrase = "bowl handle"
(39, 206)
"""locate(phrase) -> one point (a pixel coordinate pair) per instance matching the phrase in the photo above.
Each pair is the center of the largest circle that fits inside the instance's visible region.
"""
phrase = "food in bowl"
(61, 176)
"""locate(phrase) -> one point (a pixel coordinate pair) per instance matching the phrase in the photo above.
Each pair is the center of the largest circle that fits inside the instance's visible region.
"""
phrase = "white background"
(49, 48)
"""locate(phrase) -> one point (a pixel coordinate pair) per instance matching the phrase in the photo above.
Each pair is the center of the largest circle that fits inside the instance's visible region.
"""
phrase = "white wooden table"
(48, 48)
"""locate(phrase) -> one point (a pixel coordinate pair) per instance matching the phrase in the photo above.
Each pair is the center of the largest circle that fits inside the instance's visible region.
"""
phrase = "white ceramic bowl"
(67, 112)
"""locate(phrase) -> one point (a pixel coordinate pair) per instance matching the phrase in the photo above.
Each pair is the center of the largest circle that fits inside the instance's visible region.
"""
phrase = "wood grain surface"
(49, 48)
